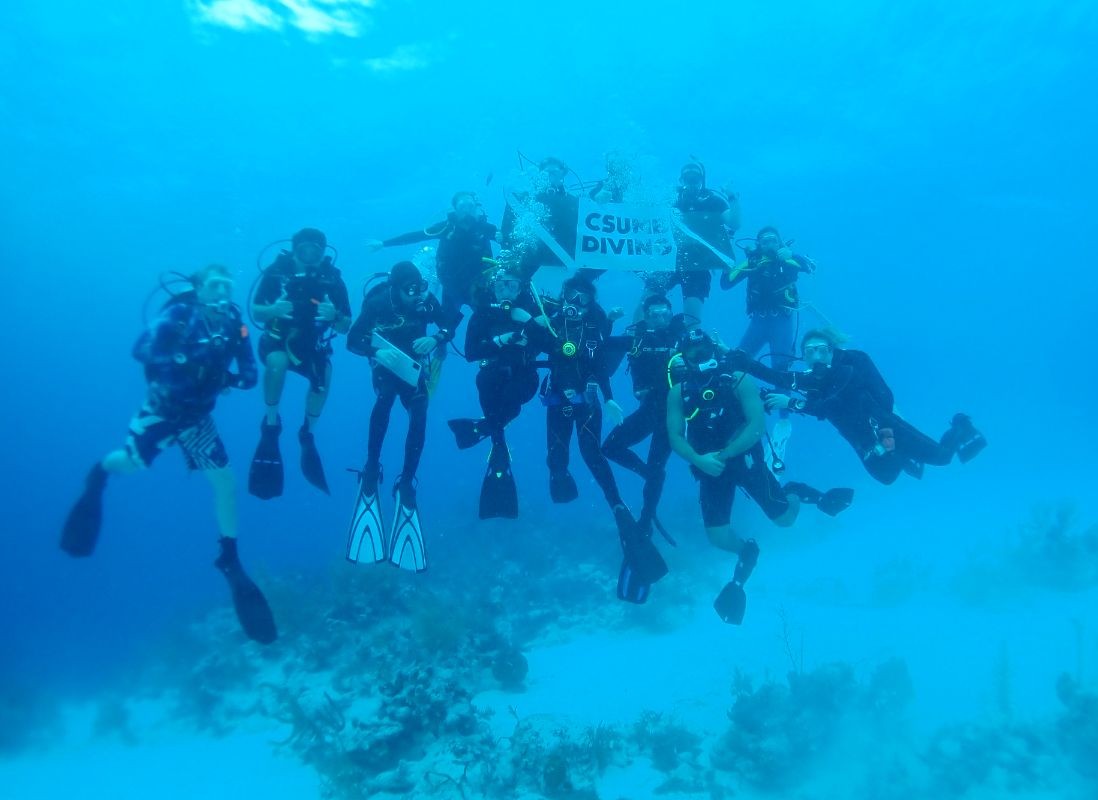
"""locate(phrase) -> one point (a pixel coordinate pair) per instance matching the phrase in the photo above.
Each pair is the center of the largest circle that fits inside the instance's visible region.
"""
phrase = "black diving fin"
(562, 487)
(265, 476)
(311, 465)
(831, 502)
(498, 493)
(731, 603)
(834, 501)
(642, 565)
(81, 531)
(467, 432)
(251, 606)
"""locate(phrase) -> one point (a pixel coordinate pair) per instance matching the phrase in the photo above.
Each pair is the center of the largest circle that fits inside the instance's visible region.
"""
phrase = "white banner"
(624, 236)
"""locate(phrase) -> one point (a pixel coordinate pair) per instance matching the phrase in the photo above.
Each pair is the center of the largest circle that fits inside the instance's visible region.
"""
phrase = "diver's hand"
(373, 245)
(326, 310)
(424, 345)
(710, 463)
(614, 413)
(520, 315)
(282, 308)
(615, 313)
(785, 254)
(776, 400)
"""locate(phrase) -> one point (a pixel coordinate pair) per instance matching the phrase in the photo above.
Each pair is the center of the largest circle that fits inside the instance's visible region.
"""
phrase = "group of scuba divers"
(695, 396)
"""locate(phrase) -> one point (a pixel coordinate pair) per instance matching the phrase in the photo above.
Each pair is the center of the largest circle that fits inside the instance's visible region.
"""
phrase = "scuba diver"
(653, 343)
(715, 421)
(549, 215)
(701, 233)
(187, 354)
(844, 387)
(302, 302)
(392, 332)
(581, 360)
(498, 338)
(771, 271)
(464, 247)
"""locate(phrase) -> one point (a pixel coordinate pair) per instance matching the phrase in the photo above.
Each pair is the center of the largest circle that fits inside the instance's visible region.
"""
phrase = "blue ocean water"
(937, 161)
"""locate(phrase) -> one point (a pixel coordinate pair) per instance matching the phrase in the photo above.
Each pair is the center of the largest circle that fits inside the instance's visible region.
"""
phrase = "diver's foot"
(268, 431)
(963, 438)
(404, 490)
(749, 557)
(228, 560)
(371, 476)
(806, 493)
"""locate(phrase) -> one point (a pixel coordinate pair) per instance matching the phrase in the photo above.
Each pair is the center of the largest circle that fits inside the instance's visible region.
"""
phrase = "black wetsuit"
(703, 213)
(852, 396)
(715, 414)
(580, 364)
(304, 338)
(400, 327)
(507, 379)
(561, 213)
(463, 244)
(649, 354)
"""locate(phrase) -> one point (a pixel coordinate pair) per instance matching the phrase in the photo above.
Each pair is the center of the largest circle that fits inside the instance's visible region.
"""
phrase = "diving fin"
(366, 537)
(407, 549)
(642, 565)
(731, 603)
(562, 487)
(498, 494)
(631, 588)
(834, 501)
(251, 606)
(467, 432)
(81, 531)
(830, 502)
(311, 465)
(265, 474)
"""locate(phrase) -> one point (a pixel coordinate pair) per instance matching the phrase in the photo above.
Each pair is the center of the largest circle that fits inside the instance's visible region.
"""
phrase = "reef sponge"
(780, 731)
(509, 667)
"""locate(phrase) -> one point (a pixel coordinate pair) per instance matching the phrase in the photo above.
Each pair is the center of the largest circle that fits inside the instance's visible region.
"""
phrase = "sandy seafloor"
(979, 652)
